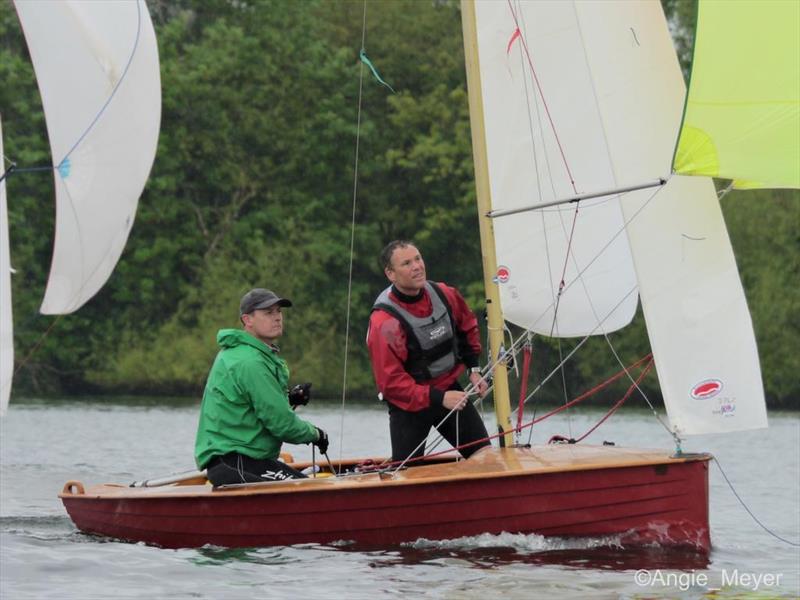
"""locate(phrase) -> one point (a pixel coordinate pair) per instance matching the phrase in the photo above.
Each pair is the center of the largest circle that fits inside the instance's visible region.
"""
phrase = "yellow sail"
(742, 115)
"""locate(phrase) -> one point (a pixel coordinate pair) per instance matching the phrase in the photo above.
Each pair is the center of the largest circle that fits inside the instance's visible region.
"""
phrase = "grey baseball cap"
(260, 298)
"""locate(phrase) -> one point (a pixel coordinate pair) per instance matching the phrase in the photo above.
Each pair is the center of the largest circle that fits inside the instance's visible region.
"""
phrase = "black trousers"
(238, 468)
(408, 429)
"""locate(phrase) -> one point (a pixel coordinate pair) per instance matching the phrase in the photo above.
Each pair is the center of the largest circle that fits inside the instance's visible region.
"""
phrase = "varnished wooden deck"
(486, 464)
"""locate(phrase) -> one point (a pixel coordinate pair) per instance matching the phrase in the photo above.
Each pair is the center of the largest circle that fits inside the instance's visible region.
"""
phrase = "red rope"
(587, 394)
(527, 352)
(541, 95)
(620, 402)
(518, 35)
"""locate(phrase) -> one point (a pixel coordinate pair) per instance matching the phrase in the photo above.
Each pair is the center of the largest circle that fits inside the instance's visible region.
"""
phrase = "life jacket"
(432, 341)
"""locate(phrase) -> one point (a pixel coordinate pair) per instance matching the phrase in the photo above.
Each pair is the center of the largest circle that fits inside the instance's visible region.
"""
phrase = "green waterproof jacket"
(245, 405)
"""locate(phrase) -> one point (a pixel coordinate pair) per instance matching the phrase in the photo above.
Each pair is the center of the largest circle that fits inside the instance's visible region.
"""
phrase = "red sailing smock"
(388, 350)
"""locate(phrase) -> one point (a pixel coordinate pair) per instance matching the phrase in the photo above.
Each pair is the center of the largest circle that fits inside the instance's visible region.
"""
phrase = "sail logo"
(502, 275)
(725, 409)
(706, 389)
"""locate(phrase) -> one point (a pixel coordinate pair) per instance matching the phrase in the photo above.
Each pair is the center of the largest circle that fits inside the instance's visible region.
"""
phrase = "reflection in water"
(490, 551)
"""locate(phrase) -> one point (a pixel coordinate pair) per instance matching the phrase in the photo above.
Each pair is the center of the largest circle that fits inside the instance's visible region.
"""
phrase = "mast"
(502, 405)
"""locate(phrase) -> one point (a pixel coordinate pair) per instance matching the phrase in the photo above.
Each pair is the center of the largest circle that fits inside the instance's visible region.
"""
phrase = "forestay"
(742, 116)
(97, 69)
(543, 129)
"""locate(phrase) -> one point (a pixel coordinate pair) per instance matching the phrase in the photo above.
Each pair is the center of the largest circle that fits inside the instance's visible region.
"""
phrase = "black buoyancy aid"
(432, 341)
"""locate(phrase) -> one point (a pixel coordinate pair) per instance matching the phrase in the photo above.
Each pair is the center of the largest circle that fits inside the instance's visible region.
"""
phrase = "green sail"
(742, 114)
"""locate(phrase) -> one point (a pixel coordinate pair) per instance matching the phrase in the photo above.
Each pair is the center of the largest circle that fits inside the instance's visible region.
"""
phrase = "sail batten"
(97, 69)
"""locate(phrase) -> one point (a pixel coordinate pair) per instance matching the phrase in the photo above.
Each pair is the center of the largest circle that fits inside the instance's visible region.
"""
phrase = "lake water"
(42, 555)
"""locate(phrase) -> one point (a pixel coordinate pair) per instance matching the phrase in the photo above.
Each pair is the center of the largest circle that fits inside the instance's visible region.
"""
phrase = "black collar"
(406, 298)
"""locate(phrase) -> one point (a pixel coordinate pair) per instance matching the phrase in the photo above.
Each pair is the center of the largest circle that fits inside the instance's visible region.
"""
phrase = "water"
(43, 444)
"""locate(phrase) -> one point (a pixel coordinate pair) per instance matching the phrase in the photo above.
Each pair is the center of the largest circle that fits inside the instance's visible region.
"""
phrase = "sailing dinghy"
(566, 99)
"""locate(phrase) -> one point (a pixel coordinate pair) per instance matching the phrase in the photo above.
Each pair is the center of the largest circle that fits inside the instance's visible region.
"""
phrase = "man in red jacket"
(422, 336)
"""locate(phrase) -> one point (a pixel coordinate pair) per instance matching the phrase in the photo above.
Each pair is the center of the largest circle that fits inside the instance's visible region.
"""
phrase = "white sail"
(97, 69)
(543, 131)
(6, 326)
(614, 93)
(697, 319)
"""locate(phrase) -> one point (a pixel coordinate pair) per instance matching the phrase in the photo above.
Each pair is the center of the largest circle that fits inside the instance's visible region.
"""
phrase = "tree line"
(253, 185)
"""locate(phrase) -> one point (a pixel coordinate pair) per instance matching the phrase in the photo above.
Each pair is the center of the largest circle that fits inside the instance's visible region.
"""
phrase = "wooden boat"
(637, 496)
(708, 370)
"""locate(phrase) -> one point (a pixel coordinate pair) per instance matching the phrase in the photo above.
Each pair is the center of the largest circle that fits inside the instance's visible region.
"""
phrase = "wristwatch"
(475, 370)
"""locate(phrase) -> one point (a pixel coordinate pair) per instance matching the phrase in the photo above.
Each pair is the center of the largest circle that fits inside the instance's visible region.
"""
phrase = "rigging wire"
(724, 191)
(750, 512)
(579, 277)
(352, 235)
(64, 161)
(64, 164)
(551, 179)
(541, 95)
(501, 357)
(388, 464)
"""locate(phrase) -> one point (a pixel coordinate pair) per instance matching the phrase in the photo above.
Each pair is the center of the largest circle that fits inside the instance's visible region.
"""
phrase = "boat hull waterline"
(641, 496)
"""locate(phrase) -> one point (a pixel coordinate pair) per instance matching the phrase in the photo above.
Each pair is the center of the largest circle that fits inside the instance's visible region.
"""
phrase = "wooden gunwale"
(487, 464)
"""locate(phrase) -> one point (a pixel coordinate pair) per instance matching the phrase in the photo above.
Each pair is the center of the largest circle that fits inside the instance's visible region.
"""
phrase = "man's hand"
(299, 395)
(479, 383)
(322, 441)
(454, 400)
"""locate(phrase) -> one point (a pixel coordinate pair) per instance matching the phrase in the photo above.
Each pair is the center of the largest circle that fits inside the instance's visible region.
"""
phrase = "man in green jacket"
(246, 415)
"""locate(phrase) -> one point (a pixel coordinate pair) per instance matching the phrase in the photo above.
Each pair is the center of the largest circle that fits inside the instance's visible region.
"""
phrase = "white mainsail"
(625, 92)
(543, 131)
(97, 69)
(6, 325)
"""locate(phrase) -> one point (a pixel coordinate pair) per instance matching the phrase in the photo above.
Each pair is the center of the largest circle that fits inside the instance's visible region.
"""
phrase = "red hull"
(664, 502)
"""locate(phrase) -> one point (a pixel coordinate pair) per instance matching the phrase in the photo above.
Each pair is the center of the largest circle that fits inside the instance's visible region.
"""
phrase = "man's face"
(264, 323)
(407, 270)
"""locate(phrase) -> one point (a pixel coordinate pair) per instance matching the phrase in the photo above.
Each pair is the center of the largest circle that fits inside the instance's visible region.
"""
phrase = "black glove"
(299, 395)
(322, 441)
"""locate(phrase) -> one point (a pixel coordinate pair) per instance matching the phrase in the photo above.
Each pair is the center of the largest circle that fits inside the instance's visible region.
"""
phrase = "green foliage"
(763, 226)
(682, 19)
(253, 185)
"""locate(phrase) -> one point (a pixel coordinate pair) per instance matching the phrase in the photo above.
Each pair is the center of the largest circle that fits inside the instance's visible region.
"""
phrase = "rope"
(534, 107)
(579, 278)
(352, 237)
(620, 402)
(523, 388)
(520, 25)
(38, 343)
(64, 160)
(390, 465)
(750, 512)
(65, 165)
(541, 95)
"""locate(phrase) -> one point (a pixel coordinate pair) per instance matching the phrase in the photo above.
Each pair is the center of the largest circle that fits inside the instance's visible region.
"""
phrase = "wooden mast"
(502, 404)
